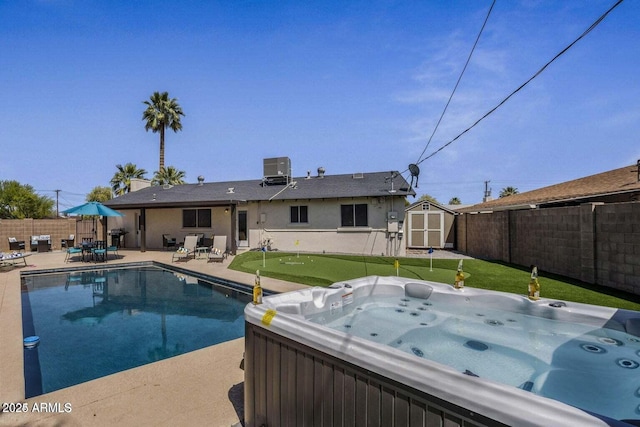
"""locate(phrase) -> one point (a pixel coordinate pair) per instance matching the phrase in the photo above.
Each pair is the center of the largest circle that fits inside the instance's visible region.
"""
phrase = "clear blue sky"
(353, 86)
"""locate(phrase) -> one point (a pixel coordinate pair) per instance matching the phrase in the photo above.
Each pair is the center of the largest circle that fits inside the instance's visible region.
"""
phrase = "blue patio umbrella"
(93, 209)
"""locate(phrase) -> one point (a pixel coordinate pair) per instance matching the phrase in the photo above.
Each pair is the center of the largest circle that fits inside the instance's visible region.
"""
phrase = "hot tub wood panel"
(290, 384)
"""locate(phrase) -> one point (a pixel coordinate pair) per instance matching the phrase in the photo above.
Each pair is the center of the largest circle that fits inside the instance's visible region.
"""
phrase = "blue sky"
(353, 86)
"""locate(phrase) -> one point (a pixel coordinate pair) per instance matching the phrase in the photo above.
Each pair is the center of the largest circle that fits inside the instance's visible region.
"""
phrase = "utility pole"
(57, 206)
(487, 192)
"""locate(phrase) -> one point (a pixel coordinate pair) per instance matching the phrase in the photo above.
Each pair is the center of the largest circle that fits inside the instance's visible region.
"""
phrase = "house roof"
(374, 184)
(606, 184)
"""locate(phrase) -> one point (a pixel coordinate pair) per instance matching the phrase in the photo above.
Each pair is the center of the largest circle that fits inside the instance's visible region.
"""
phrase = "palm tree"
(508, 191)
(121, 181)
(455, 201)
(162, 112)
(168, 175)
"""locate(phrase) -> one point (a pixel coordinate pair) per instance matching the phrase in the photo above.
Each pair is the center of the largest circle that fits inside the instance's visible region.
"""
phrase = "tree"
(168, 175)
(121, 181)
(455, 201)
(162, 112)
(19, 201)
(508, 191)
(100, 194)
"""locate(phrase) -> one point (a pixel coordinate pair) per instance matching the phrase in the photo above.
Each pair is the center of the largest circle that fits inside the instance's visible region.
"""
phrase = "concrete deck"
(201, 388)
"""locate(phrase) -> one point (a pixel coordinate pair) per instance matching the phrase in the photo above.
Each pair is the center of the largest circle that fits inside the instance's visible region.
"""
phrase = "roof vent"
(358, 175)
(167, 186)
(230, 190)
(308, 175)
(200, 180)
(321, 172)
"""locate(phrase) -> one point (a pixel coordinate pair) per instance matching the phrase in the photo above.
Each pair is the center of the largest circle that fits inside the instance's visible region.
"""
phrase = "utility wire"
(457, 83)
(587, 31)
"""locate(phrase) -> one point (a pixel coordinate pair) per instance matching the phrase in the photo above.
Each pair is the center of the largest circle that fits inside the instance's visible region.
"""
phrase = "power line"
(457, 83)
(587, 31)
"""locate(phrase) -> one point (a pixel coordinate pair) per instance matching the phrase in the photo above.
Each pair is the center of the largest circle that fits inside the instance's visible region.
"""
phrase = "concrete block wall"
(548, 238)
(594, 242)
(23, 229)
(485, 235)
(618, 246)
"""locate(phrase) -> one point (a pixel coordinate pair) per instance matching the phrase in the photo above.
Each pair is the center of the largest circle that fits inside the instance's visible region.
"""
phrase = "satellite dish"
(415, 171)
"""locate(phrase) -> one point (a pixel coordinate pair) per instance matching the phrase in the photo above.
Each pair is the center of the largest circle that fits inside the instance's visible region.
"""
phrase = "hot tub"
(392, 351)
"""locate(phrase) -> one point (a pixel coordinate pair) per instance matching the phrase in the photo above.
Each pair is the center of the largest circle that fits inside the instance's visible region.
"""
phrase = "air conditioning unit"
(277, 170)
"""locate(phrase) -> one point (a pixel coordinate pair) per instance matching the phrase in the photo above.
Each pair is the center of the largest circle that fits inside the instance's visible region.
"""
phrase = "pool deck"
(204, 387)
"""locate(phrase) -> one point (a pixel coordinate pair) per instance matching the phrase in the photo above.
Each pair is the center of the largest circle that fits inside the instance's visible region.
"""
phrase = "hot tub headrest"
(418, 290)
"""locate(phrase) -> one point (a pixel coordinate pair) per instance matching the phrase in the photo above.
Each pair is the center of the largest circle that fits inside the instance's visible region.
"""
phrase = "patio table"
(202, 251)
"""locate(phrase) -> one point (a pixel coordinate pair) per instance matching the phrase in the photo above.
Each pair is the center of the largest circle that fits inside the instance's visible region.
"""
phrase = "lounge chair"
(168, 241)
(16, 245)
(219, 249)
(187, 250)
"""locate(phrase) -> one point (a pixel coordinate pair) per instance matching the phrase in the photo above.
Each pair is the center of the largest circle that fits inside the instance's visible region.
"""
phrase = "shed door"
(426, 229)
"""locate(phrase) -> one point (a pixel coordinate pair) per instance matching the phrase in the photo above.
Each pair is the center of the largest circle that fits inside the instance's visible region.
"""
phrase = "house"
(429, 224)
(587, 229)
(618, 185)
(360, 213)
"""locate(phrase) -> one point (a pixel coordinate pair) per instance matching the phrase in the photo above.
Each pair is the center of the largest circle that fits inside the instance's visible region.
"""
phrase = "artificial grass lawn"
(323, 270)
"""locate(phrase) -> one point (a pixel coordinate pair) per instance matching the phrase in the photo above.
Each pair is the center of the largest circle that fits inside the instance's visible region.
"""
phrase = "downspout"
(143, 231)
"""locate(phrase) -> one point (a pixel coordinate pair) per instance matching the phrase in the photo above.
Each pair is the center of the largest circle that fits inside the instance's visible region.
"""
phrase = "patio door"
(243, 232)
(426, 229)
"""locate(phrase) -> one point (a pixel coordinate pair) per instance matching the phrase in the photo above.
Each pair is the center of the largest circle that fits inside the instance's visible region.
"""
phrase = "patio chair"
(68, 243)
(219, 249)
(71, 251)
(16, 245)
(168, 241)
(34, 243)
(199, 236)
(114, 249)
(187, 250)
(99, 251)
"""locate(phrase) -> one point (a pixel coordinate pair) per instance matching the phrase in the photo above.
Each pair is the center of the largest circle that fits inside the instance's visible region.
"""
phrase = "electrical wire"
(458, 82)
(587, 31)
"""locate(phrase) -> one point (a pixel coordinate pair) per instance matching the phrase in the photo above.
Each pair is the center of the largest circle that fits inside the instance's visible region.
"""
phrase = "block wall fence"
(58, 229)
(595, 243)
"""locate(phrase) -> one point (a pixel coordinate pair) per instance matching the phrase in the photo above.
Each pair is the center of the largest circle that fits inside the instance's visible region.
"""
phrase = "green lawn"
(322, 270)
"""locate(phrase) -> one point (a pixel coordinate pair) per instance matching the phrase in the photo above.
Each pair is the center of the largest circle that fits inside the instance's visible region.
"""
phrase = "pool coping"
(203, 387)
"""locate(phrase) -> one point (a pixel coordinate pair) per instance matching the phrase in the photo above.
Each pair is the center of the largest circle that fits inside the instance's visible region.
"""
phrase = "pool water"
(586, 366)
(100, 322)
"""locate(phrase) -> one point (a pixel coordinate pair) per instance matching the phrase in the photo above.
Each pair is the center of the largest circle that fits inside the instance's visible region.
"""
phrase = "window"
(354, 215)
(196, 218)
(299, 214)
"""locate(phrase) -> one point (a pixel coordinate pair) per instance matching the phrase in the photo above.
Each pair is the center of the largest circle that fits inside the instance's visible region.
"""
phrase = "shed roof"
(374, 184)
(611, 183)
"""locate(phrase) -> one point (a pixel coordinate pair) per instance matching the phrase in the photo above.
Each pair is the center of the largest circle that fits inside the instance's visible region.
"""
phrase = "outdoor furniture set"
(196, 246)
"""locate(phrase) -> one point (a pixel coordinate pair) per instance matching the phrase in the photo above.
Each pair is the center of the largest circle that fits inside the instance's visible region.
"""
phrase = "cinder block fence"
(592, 242)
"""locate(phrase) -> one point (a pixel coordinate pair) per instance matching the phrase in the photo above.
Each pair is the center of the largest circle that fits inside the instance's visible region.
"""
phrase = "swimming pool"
(96, 322)
(426, 350)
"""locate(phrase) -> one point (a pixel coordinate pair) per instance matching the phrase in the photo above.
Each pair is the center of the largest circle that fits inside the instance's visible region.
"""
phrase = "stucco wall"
(322, 232)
